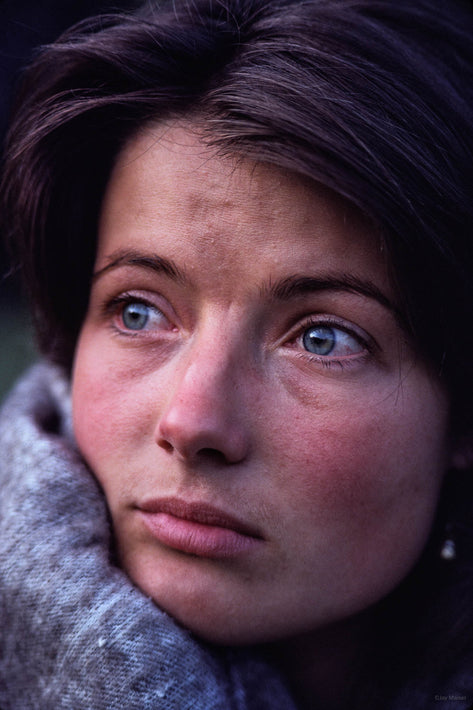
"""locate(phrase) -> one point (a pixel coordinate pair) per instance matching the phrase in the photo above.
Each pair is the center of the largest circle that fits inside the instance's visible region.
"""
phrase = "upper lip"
(198, 512)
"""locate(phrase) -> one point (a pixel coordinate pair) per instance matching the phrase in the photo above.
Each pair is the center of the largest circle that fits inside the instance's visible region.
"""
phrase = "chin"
(217, 616)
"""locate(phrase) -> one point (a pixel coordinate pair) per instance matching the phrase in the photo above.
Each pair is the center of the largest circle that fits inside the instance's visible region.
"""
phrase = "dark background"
(24, 26)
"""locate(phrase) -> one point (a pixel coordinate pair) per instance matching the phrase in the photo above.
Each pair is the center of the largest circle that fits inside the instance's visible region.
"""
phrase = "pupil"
(135, 316)
(319, 340)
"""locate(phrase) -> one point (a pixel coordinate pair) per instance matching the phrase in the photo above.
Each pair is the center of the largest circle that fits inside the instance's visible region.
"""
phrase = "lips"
(198, 528)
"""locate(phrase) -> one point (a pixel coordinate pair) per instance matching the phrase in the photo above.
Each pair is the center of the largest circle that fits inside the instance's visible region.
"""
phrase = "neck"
(322, 668)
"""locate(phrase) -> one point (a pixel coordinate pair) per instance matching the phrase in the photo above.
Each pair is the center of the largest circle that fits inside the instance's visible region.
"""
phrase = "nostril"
(213, 455)
(212, 439)
(208, 454)
(166, 445)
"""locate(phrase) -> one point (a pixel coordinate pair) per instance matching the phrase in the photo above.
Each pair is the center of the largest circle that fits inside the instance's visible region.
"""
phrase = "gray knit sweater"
(74, 631)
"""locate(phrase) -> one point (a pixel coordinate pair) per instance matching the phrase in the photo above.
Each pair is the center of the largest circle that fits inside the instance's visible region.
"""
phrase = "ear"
(461, 457)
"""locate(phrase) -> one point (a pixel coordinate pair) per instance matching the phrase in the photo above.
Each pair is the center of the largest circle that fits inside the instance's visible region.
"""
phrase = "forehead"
(170, 192)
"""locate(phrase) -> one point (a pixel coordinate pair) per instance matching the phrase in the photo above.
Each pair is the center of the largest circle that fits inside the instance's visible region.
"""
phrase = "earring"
(448, 551)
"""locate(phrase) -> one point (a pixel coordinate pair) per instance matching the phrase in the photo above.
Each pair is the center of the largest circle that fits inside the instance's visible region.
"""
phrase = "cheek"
(360, 490)
(112, 411)
(368, 476)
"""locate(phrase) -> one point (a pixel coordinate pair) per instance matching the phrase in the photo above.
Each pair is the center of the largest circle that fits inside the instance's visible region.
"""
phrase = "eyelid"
(323, 319)
(114, 306)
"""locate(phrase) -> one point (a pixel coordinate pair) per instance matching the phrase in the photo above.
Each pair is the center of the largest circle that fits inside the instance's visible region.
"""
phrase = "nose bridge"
(205, 406)
(215, 361)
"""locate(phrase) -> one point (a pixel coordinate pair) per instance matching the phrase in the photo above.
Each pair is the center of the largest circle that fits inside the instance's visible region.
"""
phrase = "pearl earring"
(448, 550)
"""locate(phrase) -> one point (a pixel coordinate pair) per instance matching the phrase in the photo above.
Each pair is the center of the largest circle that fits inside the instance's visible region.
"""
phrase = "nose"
(204, 417)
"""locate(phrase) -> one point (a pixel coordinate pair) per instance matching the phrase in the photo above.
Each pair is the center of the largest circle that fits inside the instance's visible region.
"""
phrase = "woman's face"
(270, 447)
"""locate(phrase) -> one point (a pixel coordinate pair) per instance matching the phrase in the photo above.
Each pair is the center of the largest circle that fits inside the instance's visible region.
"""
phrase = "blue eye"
(325, 340)
(135, 316)
(129, 314)
(319, 340)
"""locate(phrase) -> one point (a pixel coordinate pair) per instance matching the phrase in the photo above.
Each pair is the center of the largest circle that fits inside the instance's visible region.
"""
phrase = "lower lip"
(198, 538)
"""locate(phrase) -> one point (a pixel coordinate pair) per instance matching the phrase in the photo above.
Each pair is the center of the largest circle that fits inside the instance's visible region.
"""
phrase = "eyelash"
(327, 361)
(116, 306)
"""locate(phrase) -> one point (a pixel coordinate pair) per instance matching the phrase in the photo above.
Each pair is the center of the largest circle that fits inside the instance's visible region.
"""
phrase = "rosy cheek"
(99, 402)
(331, 466)
(356, 467)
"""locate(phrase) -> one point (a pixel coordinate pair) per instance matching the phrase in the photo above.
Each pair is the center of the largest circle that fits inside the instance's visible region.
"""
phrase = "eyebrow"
(298, 286)
(289, 288)
(295, 286)
(152, 262)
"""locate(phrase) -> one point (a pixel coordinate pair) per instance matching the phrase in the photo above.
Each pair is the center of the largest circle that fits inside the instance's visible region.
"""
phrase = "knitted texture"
(74, 631)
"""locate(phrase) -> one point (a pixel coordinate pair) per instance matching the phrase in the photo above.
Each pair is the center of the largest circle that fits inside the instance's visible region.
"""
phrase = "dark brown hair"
(373, 98)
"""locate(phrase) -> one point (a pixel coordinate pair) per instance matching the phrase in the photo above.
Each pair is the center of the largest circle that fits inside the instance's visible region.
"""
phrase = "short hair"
(372, 98)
